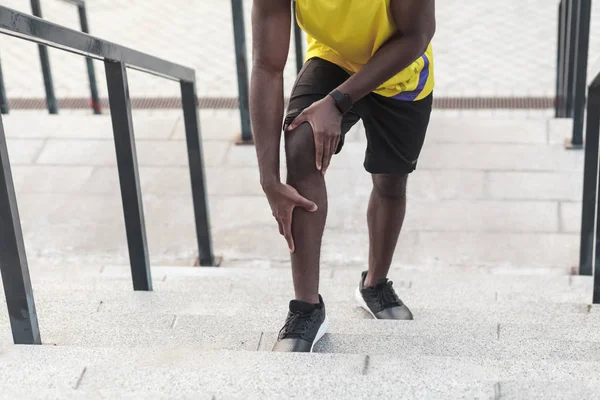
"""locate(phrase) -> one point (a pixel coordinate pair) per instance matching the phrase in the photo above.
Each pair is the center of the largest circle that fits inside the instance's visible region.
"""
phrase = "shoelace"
(295, 326)
(386, 296)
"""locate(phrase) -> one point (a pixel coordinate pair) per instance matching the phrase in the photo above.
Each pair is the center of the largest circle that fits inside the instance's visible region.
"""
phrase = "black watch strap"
(342, 101)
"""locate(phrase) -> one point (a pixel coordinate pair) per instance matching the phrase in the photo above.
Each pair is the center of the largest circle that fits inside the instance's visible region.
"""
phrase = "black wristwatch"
(342, 101)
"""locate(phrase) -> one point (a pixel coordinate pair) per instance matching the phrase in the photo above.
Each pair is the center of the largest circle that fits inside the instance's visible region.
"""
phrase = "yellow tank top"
(349, 32)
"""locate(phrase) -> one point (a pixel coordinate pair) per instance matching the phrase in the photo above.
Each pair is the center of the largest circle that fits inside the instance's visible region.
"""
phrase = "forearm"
(394, 56)
(266, 111)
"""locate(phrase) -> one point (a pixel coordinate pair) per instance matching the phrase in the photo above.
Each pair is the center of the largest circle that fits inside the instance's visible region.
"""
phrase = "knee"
(390, 186)
(300, 153)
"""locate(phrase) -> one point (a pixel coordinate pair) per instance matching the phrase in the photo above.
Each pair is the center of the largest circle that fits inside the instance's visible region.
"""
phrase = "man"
(366, 59)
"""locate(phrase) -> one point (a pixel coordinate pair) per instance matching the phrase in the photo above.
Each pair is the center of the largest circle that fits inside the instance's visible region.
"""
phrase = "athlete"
(367, 59)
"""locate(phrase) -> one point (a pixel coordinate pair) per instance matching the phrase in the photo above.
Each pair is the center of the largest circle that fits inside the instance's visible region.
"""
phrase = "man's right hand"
(283, 199)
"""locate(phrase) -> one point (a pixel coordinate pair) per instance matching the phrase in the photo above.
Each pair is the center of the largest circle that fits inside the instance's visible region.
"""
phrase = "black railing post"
(560, 63)
(194, 146)
(131, 193)
(297, 40)
(593, 134)
(4, 109)
(95, 99)
(13, 261)
(590, 184)
(583, 15)
(570, 54)
(241, 60)
(45, 61)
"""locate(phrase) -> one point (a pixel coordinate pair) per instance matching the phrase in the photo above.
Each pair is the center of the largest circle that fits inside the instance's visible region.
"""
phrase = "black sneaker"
(381, 300)
(305, 324)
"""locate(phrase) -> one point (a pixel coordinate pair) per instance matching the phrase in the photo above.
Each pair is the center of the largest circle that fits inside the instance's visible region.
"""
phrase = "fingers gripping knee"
(390, 186)
(300, 153)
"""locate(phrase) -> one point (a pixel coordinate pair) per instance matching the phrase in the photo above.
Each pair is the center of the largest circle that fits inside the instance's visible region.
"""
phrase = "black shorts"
(395, 128)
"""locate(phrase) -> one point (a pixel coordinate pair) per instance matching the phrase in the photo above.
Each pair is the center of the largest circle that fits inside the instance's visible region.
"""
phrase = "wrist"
(342, 101)
(331, 103)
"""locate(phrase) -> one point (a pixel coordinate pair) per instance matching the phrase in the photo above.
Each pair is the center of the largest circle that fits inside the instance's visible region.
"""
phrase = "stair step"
(181, 372)
(99, 394)
(189, 385)
(455, 286)
(543, 390)
(260, 271)
(573, 330)
(471, 295)
(195, 303)
(66, 321)
(577, 340)
(445, 346)
(136, 330)
(222, 332)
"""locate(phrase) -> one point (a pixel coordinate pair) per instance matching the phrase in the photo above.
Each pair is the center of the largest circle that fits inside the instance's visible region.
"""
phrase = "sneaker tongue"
(301, 306)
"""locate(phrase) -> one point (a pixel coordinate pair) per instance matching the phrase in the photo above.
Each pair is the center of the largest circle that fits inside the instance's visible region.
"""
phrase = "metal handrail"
(13, 260)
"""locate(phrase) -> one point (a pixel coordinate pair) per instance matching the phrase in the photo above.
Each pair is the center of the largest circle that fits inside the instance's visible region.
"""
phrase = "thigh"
(315, 81)
(395, 133)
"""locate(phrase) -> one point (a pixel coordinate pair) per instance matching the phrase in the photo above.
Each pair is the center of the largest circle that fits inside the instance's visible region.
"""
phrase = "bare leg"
(385, 216)
(307, 227)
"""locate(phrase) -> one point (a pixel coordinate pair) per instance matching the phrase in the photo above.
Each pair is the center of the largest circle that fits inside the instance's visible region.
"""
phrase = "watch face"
(345, 104)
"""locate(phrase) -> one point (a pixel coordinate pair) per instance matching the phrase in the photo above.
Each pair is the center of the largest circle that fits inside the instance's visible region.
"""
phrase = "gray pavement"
(483, 48)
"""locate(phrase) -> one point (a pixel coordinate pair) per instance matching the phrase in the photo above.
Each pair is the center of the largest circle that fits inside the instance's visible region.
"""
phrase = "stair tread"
(175, 372)
(149, 314)
(530, 342)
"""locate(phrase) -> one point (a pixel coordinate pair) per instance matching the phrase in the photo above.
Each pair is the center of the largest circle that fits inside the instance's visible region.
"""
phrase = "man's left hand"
(326, 122)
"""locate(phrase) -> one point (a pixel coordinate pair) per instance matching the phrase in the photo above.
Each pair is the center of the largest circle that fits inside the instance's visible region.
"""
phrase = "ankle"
(311, 299)
(372, 280)
(369, 284)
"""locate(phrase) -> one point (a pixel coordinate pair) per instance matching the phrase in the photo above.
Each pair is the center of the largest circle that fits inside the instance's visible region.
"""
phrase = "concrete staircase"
(483, 262)
(206, 334)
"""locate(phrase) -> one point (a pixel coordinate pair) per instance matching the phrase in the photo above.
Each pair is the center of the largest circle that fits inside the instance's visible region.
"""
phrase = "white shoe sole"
(321, 332)
(362, 303)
